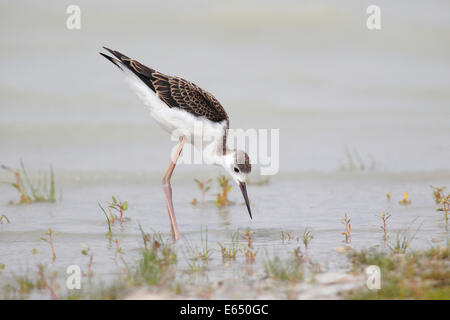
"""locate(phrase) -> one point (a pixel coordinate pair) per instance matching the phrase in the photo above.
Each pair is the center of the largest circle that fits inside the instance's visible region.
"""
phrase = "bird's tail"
(123, 61)
(113, 60)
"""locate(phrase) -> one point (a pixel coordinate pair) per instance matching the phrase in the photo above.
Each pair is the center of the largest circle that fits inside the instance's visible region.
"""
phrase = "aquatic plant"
(248, 235)
(348, 228)
(290, 269)
(286, 236)
(402, 240)
(50, 240)
(249, 254)
(119, 249)
(405, 201)
(384, 218)
(205, 253)
(388, 196)
(307, 237)
(438, 193)
(198, 259)
(108, 219)
(86, 251)
(204, 187)
(119, 206)
(42, 190)
(146, 237)
(23, 285)
(298, 253)
(371, 256)
(445, 202)
(229, 253)
(354, 162)
(4, 218)
(225, 188)
(155, 263)
(24, 198)
(2, 267)
(248, 250)
(48, 281)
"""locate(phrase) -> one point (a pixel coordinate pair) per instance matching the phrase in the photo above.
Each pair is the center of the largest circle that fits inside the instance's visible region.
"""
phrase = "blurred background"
(310, 68)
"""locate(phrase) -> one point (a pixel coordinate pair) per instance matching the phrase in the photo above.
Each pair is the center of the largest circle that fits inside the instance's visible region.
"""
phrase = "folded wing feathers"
(174, 91)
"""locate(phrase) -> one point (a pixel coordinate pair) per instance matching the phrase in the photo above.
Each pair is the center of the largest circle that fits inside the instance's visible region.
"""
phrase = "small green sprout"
(445, 202)
(348, 228)
(225, 188)
(119, 206)
(204, 187)
(86, 251)
(108, 220)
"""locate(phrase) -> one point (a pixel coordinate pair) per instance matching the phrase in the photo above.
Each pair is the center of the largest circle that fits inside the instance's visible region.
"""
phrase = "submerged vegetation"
(249, 251)
(50, 239)
(155, 265)
(438, 194)
(118, 206)
(229, 252)
(158, 267)
(290, 269)
(354, 162)
(225, 188)
(405, 201)
(108, 217)
(86, 251)
(41, 189)
(402, 241)
(204, 187)
(384, 218)
(198, 258)
(348, 228)
(443, 200)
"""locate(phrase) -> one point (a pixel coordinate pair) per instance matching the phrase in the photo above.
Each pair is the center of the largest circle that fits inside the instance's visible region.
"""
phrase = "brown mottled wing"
(180, 93)
(175, 92)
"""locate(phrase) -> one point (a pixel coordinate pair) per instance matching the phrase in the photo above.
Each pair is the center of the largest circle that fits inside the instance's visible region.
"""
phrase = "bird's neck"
(217, 154)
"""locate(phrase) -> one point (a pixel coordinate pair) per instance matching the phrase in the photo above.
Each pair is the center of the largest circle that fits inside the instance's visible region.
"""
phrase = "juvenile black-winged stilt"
(178, 105)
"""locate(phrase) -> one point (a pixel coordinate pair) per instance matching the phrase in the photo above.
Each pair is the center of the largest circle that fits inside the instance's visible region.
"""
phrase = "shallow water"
(312, 70)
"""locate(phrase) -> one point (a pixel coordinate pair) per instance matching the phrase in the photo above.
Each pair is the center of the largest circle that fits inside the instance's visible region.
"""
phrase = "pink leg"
(167, 188)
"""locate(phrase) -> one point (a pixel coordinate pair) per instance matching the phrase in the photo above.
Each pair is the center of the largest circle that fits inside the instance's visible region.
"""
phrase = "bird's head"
(237, 164)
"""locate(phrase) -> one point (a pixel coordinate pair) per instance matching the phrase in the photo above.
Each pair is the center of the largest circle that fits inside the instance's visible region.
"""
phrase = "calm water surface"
(312, 70)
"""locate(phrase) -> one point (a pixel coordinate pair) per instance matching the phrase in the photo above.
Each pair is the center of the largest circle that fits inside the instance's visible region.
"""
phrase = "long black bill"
(244, 193)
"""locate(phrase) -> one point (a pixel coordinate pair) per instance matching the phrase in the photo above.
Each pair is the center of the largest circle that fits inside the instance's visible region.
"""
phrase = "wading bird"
(179, 106)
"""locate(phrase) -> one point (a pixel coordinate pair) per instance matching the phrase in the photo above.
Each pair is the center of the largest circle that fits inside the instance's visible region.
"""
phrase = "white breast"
(199, 131)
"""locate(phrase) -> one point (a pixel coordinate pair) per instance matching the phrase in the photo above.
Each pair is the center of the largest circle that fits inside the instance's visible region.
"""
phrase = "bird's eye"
(236, 170)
